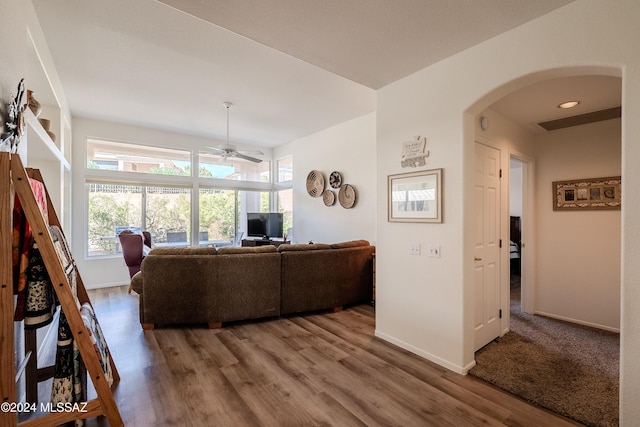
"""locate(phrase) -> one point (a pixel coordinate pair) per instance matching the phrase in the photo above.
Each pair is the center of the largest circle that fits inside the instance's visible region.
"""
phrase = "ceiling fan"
(229, 150)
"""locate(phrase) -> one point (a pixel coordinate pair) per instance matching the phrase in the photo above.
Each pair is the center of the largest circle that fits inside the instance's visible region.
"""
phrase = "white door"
(487, 245)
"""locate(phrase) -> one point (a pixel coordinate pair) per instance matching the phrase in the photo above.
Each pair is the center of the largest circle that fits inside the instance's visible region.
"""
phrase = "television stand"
(263, 242)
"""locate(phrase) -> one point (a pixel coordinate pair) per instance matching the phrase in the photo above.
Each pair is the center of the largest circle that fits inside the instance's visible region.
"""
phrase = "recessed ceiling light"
(569, 104)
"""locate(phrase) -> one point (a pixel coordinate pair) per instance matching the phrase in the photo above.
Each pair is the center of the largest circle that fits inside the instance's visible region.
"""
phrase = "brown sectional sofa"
(319, 276)
(208, 285)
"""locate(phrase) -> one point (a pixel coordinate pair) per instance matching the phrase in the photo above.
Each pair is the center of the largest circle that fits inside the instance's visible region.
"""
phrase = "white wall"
(425, 304)
(578, 253)
(349, 149)
(15, 62)
(515, 188)
(13, 49)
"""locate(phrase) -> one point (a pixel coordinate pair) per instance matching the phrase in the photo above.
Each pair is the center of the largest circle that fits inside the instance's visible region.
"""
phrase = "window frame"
(194, 182)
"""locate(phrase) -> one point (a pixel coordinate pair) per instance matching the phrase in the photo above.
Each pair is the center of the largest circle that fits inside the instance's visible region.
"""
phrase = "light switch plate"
(414, 249)
(434, 251)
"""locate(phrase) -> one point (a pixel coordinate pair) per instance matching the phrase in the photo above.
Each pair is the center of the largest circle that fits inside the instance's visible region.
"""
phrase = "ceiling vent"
(582, 119)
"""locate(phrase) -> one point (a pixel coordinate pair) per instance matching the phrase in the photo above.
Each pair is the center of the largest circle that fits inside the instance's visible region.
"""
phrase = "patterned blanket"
(40, 301)
(70, 378)
(97, 339)
(22, 251)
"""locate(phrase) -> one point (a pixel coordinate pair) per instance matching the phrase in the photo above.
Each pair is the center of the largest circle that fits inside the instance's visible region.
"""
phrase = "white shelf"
(42, 146)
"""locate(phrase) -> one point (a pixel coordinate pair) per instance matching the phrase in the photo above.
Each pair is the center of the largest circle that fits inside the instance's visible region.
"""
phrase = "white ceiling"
(290, 67)
(539, 102)
(370, 42)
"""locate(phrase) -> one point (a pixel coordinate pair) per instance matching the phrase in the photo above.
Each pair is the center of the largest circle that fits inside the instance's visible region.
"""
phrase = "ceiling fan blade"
(217, 149)
(227, 152)
(242, 156)
(257, 152)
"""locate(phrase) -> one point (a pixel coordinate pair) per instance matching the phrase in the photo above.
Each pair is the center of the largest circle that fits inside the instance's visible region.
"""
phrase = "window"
(161, 204)
(118, 156)
(285, 169)
(218, 211)
(285, 205)
(168, 215)
(215, 166)
(252, 201)
(163, 211)
(223, 213)
(111, 206)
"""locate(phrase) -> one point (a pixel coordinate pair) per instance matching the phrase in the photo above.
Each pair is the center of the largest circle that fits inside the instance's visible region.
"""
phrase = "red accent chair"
(133, 249)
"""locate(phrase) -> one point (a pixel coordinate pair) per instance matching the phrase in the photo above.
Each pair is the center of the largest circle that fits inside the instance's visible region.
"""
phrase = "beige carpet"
(570, 369)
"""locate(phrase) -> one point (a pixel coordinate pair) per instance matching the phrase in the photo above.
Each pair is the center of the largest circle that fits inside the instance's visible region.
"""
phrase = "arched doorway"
(483, 107)
(566, 264)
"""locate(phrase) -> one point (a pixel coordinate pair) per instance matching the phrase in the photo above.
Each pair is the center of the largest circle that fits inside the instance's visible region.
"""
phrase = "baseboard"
(107, 285)
(579, 322)
(462, 370)
(468, 367)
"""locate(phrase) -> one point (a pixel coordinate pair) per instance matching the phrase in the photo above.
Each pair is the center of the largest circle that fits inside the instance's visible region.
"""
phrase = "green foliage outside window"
(108, 210)
(112, 206)
(167, 212)
(217, 213)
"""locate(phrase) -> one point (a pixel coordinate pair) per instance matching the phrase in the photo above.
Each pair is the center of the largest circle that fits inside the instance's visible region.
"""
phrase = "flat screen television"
(265, 225)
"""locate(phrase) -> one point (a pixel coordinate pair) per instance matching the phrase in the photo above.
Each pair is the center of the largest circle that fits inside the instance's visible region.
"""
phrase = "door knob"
(475, 258)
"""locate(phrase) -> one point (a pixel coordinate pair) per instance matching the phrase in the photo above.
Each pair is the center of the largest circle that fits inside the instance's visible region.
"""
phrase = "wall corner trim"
(462, 370)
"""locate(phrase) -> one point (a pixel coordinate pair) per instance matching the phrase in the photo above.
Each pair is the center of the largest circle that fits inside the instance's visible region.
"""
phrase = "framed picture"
(585, 194)
(415, 196)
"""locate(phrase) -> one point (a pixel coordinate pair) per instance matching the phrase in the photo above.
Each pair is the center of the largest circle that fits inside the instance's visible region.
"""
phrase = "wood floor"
(314, 370)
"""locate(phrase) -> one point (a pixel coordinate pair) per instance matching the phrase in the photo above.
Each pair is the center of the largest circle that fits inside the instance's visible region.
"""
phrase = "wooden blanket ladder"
(13, 172)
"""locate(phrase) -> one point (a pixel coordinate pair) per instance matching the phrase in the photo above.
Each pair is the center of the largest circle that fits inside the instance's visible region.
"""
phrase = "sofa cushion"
(350, 244)
(183, 251)
(247, 250)
(303, 247)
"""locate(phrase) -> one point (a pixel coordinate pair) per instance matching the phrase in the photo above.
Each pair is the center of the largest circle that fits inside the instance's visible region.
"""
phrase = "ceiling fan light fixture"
(229, 150)
(568, 104)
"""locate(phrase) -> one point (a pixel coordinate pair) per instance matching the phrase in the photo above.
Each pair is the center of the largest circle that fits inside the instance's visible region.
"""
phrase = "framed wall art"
(415, 196)
(587, 194)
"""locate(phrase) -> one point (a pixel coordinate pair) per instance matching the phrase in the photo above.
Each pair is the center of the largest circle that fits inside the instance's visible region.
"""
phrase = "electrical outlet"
(414, 249)
(434, 251)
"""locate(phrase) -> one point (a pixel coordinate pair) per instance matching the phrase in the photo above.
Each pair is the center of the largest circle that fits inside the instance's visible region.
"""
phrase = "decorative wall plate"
(347, 196)
(335, 179)
(329, 197)
(315, 183)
